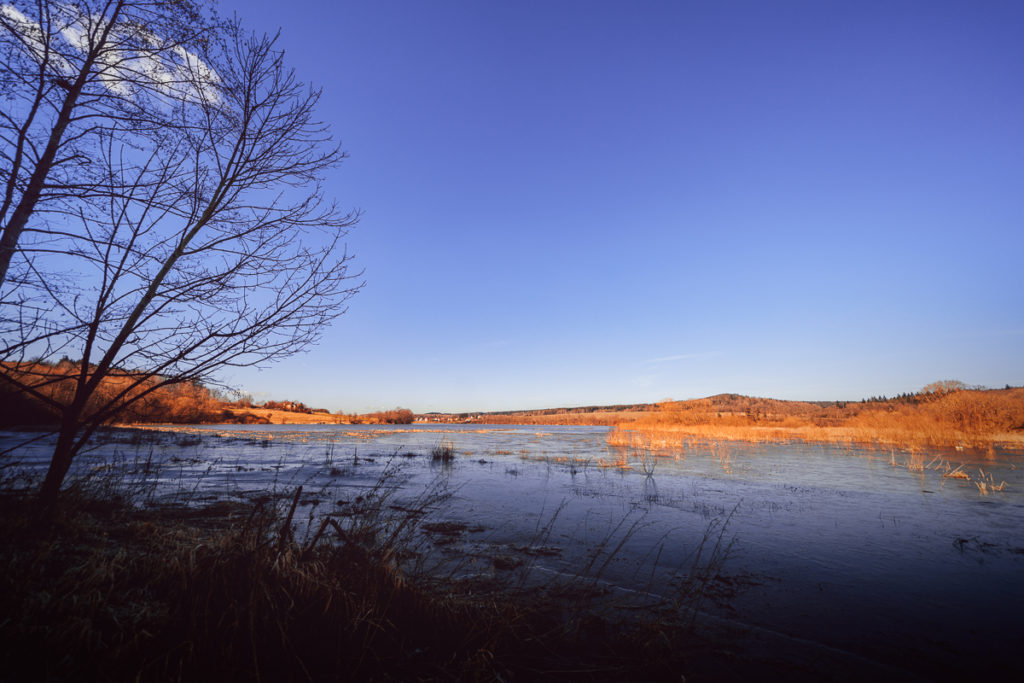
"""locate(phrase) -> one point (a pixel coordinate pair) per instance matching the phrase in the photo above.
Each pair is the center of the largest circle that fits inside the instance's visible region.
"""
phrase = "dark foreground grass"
(107, 591)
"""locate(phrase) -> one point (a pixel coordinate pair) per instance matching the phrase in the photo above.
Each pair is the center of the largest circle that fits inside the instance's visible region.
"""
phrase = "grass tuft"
(443, 452)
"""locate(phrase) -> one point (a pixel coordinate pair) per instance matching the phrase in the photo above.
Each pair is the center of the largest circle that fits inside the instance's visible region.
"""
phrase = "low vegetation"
(112, 591)
(443, 452)
(398, 416)
(944, 415)
(182, 403)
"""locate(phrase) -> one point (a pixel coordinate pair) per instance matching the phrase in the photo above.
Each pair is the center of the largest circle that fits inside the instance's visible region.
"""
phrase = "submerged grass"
(443, 451)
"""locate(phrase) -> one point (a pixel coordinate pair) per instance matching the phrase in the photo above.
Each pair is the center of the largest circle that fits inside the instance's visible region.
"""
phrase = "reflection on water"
(882, 553)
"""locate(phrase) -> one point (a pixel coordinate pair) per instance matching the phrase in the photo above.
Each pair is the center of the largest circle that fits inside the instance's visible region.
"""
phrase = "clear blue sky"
(572, 203)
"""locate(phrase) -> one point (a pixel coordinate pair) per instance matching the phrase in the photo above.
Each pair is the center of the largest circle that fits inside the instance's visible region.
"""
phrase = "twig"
(317, 535)
(286, 528)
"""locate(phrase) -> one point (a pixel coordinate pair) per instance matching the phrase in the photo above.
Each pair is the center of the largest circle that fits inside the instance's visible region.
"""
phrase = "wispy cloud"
(134, 57)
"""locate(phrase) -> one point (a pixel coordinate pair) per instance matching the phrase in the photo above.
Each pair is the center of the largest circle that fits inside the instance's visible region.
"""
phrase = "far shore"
(945, 415)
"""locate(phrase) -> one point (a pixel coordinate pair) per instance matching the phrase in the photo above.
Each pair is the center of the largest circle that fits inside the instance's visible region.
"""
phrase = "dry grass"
(977, 419)
(123, 595)
(444, 451)
(114, 592)
(285, 417)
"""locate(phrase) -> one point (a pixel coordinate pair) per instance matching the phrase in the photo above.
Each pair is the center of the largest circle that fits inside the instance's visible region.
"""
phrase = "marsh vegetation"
(140, 577)
(940, 416)
(551, 535)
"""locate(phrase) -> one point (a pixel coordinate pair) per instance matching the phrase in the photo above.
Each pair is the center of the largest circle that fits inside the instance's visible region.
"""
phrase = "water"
(865, 553)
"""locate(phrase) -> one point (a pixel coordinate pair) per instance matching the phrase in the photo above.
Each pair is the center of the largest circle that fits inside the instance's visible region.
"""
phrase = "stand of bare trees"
(195, 235)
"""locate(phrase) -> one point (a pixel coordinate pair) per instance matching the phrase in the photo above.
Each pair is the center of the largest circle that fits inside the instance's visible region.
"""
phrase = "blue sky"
(572, 203)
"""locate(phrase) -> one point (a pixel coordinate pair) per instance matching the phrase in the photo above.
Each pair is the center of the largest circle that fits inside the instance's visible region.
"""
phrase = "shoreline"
(664, 437)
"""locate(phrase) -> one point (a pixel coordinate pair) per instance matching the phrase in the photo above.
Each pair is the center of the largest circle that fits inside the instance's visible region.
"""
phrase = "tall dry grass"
(113, 591)
(966, 418)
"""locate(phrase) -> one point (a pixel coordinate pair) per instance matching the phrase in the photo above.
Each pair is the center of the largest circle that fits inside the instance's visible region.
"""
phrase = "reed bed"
(965, 419)
(444, 451)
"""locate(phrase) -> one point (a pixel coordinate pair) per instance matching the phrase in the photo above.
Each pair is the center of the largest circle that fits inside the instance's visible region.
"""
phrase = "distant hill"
(944, 413)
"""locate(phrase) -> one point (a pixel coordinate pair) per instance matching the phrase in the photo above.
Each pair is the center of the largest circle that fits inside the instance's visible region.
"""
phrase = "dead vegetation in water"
(920, 463)
(239, 590)
(443, 451)
(641, 450)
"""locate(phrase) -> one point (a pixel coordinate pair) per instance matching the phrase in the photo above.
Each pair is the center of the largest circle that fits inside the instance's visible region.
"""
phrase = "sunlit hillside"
(942, 415)
(52, 385)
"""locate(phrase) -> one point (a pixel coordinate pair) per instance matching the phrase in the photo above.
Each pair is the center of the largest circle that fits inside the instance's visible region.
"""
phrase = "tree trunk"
(63, 454)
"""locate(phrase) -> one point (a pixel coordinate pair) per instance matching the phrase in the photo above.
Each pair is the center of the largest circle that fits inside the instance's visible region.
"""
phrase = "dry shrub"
(953, 418)
(398, 416)
(182, 403)
(964, 418)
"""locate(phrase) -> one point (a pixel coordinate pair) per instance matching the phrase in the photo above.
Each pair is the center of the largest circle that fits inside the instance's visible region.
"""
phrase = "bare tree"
(943, 387)
(215, 248)
(74, 73)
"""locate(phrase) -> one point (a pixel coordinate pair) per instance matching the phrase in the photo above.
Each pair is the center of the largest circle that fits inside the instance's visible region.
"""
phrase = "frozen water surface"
(878, 553)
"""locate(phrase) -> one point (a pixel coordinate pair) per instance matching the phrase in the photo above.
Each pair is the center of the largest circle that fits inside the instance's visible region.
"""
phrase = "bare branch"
(208, 245)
